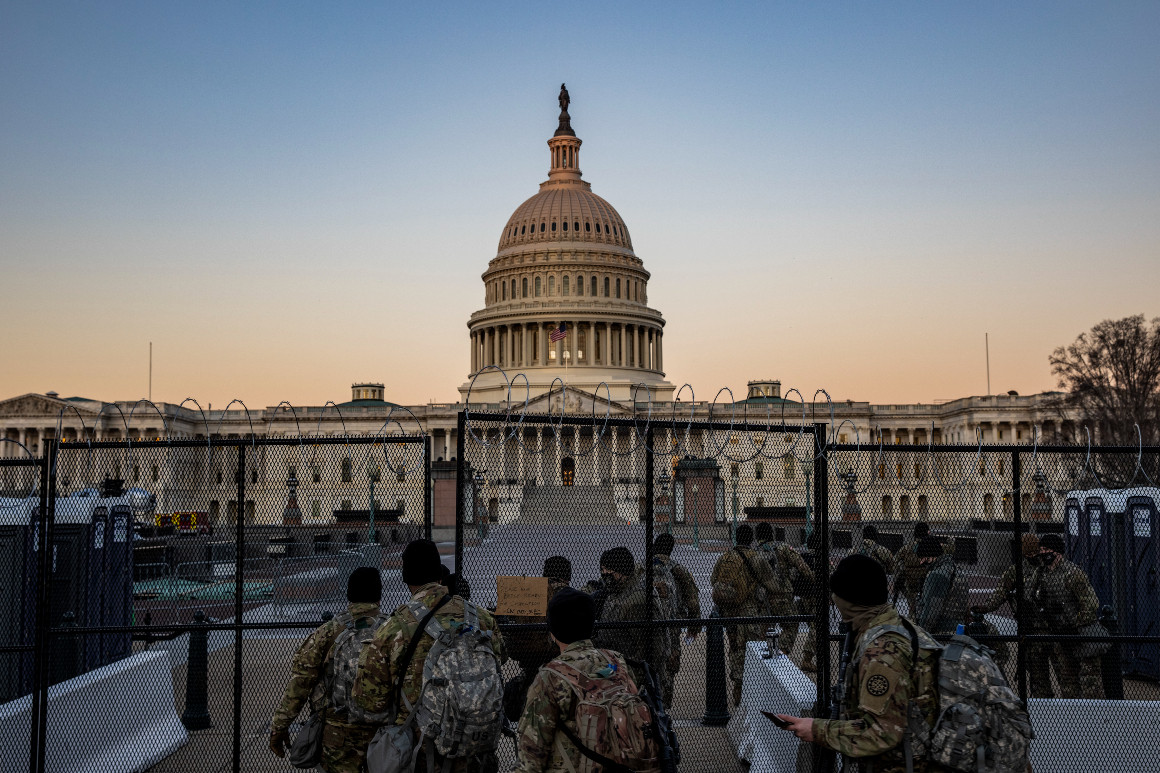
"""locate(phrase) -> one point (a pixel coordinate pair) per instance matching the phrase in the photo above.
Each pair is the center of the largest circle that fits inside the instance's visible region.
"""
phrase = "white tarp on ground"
(119, 718)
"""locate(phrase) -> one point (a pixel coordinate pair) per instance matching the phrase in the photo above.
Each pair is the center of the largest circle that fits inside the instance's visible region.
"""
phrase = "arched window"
(758, 470)
(576, 225)
(523, 230)
(505, 292)
(551, 285)
(904, 507)
(593, 288)
(513, 289)
(565, 225)
(988, 506)
(346, 470)
(525, 287)
(598, 228)
(923, 506)
(887, 507)
(553, 225)
(564, 285)
(579, 285)
(617, 288)
(607, 284)
(587, 226)
(542, 227)
(537, 287)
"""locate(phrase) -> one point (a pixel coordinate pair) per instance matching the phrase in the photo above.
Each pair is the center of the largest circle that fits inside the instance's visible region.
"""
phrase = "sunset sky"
(288, 197)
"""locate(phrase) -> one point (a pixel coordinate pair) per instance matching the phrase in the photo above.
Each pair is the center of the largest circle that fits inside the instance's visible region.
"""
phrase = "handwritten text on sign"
(527, 596)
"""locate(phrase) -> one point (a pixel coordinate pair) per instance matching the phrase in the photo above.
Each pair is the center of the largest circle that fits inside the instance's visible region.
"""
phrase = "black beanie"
(421, 563)
(744, 534)
(929, 547)
(571, 615)
(860, 580)
(558, 568)
(764, 532)
(365, 585)
(1052, 542)
(618, 560)
(664, 544)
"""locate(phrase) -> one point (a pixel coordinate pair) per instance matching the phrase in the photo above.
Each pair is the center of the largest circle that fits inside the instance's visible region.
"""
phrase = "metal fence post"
(1020, 611)
(1110, 665)
(239, 569)
(66, 651)
(38, 724)
(428, 492)
(461, 470)
(196, 714)
(822, 526)
(716, 702)
(649, 573)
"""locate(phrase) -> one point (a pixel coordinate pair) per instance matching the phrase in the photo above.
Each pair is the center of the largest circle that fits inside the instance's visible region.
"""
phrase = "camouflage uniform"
(552, 700)
(1066, 602)
(787, 565)
(911, 575)
(740, 592)
(879, 688)
(378, 666)
(807, 591)
(688, 605)
(945, 595)
(631, 602)
(1038, 655)
(880, 554)
(344, 745)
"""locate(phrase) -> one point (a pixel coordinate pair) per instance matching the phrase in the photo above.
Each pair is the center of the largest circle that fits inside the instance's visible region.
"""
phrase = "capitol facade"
(566, 303)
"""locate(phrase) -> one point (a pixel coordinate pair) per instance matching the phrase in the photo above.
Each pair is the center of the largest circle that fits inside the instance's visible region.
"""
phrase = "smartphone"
(775, 719)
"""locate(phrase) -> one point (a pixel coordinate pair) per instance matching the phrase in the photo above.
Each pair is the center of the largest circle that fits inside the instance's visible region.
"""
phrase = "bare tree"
(1111, 379)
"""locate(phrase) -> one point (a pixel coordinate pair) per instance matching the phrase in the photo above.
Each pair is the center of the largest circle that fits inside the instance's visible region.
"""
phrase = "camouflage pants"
(739, 636)
(671, 669)
(1039, 658)
(482, 763)
(810, 647)
(1078, 677)
(344, 747)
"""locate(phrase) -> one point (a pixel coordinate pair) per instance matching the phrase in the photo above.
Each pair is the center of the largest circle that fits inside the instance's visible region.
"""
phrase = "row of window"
(502, 291)
(547, 226)
(347, 474)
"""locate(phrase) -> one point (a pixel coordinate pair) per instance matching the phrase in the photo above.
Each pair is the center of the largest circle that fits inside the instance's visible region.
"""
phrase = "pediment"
(576, 402)
(33, 404)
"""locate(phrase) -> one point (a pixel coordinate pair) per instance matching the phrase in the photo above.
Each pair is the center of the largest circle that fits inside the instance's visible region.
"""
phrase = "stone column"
(660, 351)
(574, 336)
(474, 364)
(621, 360)
(544, 328)
(607, 347)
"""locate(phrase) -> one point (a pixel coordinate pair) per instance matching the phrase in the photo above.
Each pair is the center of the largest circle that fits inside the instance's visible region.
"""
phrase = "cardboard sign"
(522, 596)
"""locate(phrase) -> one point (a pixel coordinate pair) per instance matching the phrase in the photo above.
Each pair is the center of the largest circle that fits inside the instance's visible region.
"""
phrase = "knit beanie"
(1053, 542)
(1030, 546)
(571, 615)
(860, 580)
(365, 585)
(421, 563)
(618, 560)
(929, 547)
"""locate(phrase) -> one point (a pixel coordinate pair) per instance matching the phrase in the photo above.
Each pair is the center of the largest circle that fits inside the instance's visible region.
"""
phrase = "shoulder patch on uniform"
(877, 687)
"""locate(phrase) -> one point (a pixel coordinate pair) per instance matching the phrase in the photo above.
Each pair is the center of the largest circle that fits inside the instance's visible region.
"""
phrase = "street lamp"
(735, 510)
(851, 510)
(696, 522)
(807, 468)
(479, 481)
(372, 476)
(671, 513)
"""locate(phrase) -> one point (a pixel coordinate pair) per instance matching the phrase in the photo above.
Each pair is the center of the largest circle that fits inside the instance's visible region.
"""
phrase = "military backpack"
(460, 706)
(343, 666)
(613, 724)
(981, 726)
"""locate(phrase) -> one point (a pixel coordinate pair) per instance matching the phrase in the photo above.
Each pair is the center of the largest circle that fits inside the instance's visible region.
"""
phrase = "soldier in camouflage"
(542, 746)
(532, 649)
(1038, 655)
(882, 679)
(946, 592)
(1066, 602)
(379, 665)
(627, 599)
(807, 591)
(344, 744)
(911, 573)
(688, 605)
(870, 547)
(743, 582)
(790, 570)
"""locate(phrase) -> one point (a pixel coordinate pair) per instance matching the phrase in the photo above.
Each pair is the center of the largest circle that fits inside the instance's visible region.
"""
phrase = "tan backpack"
(613, 725)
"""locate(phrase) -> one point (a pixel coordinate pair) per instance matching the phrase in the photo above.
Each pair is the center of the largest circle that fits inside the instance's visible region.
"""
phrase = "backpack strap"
(409, 653)
(753, 573)
(609, 765)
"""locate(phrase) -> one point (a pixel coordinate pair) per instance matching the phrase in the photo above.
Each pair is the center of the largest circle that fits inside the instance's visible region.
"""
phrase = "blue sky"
(287, 197)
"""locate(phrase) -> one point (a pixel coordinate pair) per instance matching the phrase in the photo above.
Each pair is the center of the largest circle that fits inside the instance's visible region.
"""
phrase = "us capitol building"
(566, 302)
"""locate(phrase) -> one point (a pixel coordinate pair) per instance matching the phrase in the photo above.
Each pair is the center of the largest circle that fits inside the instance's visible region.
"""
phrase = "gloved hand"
(279, 739)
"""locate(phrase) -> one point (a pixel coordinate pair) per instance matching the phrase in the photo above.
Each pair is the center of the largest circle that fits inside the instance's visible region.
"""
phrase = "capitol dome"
(565, 270)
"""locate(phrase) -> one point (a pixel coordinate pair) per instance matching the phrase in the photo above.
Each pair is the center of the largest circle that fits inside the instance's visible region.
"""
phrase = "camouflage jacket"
(552, 700)
(788, 566)
(1064, 598)
(1004, 592)
(945, 597)
(688, 594)
(910, 569)
(878, 690)
(743, 582)
(378, 667)
(308, 668)
(880, 554)
(532, 649)
(631, 602)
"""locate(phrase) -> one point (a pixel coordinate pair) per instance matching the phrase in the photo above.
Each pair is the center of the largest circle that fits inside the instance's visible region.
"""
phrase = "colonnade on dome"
(587, 343)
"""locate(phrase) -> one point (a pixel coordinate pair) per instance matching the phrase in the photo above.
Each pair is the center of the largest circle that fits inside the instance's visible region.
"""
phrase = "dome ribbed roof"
(569, 213)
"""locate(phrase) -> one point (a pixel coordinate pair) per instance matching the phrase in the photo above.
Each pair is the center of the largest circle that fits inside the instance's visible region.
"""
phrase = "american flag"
(559, 334)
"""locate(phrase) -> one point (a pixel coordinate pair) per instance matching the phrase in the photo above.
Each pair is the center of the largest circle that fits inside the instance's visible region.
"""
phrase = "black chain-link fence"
(245, 544)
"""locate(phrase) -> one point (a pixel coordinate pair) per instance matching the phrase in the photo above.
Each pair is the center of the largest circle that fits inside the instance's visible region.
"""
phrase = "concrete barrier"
(120, 717)
(1077, 736)
(776, 685)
